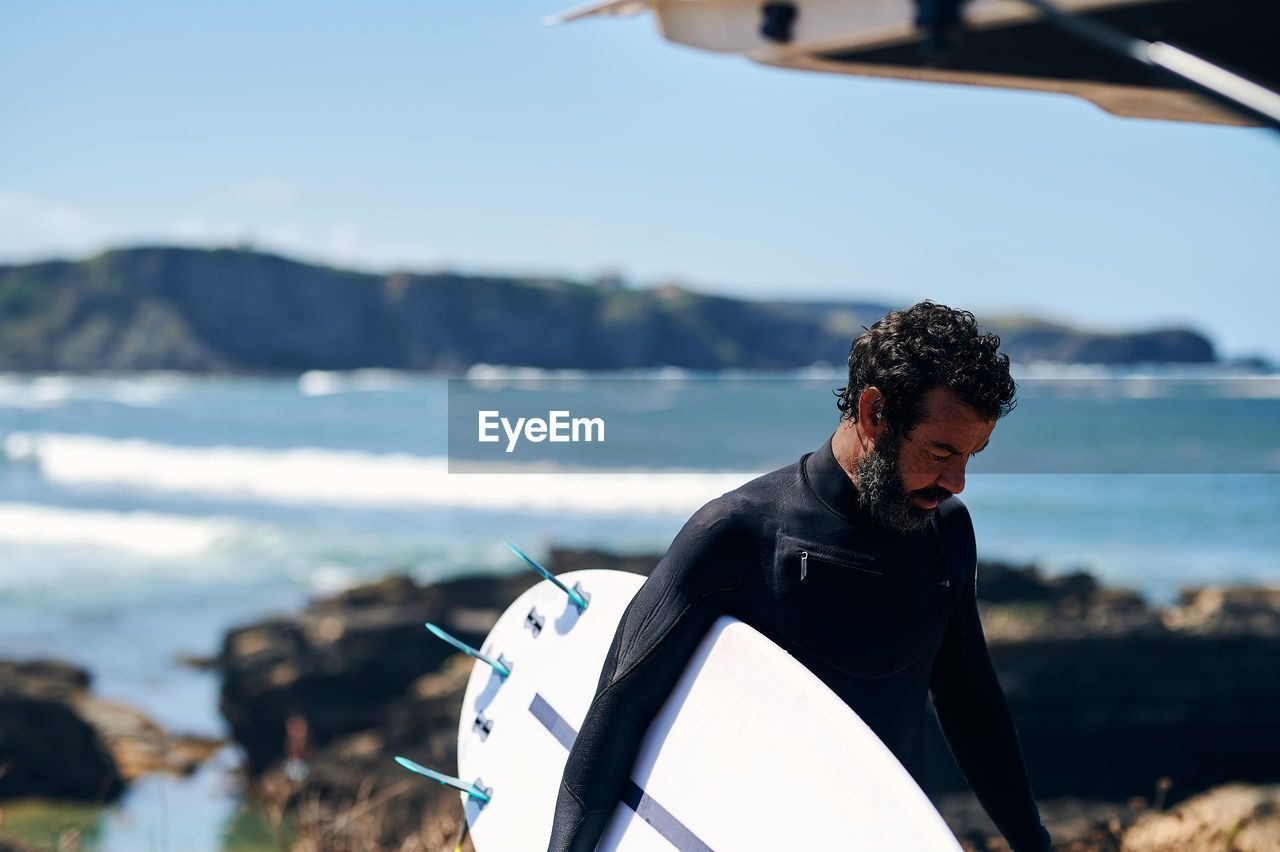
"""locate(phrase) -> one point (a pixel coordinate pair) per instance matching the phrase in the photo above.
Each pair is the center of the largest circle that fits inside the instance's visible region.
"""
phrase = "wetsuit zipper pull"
(804, 564)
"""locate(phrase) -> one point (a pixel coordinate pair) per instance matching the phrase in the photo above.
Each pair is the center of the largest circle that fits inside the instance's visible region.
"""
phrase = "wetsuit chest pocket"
(867, 618)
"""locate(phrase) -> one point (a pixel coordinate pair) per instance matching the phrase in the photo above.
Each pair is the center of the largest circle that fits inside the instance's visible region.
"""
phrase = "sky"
(465, 134)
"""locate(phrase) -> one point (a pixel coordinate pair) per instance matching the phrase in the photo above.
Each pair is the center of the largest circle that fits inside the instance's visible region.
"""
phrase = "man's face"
(902, 480)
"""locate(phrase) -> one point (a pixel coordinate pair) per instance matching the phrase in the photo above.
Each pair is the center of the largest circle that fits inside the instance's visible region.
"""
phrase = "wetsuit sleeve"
(655, 639)
(975, 719)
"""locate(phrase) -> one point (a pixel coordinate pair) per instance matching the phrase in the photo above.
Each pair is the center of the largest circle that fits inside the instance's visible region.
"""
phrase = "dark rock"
(1018, 603)
(1199, 710)
(367, 683)
(1230, 610)
(47, 748)
(999, 583)
(350, 794)
(1109, 695)
(60, 742)
(339, 662)
(196, 662)
(49, 679)
(139, 746)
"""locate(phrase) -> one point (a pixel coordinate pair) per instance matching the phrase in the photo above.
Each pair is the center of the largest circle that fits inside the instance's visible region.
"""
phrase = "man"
(858, 560)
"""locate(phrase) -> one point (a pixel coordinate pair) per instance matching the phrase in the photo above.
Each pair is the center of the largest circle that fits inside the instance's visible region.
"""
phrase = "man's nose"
(952, 477)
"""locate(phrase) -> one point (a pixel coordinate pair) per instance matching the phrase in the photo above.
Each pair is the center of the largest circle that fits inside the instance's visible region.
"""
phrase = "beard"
(882, 495)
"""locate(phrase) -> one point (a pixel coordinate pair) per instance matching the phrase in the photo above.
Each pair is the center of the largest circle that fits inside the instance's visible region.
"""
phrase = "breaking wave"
(150, 534)
(308, 475)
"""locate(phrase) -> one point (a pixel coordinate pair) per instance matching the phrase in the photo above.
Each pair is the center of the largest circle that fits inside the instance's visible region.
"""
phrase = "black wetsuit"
(882, 618)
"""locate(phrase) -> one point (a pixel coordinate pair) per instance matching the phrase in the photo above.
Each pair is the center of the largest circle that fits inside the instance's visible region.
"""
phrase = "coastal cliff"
(232, 310)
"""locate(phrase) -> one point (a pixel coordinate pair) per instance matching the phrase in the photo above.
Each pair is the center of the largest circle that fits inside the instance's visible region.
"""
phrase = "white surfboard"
(856, 36)
(750, 751)
(532, 716)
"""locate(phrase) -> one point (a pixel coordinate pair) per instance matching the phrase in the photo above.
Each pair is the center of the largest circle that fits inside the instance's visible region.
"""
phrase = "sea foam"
(307, 475)
(56, 390)
(149, 534)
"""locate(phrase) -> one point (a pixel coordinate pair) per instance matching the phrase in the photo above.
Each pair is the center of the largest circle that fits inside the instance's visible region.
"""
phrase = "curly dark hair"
(907, 353)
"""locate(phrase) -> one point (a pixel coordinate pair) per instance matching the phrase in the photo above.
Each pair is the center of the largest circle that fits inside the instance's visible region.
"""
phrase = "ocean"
(142, 516)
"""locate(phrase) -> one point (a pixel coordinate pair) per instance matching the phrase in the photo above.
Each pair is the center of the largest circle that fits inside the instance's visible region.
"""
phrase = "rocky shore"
(60, 742)
(1145, 729)
(1110, 694)
(322, 701)
(1125, 711)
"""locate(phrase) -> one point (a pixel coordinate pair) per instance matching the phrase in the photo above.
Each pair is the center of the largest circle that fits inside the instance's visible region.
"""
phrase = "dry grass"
(392, 819)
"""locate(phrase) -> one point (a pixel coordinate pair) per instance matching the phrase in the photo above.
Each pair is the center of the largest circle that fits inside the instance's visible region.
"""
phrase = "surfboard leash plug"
(534, 622)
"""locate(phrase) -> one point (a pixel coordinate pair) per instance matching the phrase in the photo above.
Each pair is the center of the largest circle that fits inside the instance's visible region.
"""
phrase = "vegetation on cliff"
(240, 310)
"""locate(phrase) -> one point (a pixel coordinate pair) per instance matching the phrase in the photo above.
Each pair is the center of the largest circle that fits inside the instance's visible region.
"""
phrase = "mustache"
(933, 492)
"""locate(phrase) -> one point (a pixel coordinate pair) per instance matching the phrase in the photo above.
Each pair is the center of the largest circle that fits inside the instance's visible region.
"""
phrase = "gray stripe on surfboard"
(663, 821)
(676, 832)
(553, 721)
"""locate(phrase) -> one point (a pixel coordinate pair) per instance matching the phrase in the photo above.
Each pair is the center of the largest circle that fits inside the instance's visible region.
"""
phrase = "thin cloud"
(35, 229)
(31, 226)
(264, 191)
(575, 237)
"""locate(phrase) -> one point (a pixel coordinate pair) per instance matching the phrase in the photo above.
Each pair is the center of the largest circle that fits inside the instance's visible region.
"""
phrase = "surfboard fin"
(575, 594)
(476, 791)
(501, 665)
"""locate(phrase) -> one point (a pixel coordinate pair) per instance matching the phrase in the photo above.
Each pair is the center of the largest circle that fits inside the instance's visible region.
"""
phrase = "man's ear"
(871, 422)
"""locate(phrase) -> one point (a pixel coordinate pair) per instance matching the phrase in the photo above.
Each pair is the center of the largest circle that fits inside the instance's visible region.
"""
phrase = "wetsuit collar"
(831, 484)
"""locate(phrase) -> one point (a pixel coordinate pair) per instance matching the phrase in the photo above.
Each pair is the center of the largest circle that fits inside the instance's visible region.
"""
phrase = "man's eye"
(937, 457)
